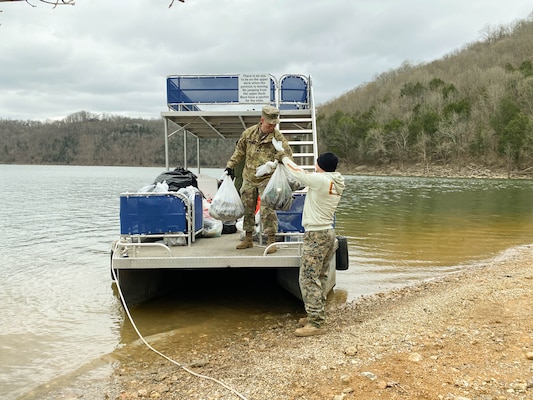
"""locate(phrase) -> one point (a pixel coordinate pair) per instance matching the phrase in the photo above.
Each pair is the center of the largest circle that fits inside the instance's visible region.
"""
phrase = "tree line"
(85, 138)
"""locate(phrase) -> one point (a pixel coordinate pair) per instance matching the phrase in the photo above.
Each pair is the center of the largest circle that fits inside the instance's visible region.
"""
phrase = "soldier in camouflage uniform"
(324, 190)
(255, 148)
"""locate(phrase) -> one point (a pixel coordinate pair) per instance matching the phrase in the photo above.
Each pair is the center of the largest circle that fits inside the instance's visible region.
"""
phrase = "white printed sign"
(254, 88)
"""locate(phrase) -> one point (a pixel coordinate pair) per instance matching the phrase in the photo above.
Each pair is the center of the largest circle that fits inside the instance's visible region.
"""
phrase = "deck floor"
(225, 246)
(217, 252)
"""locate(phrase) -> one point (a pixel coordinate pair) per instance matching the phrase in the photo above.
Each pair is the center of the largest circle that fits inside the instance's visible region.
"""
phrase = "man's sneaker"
(309, 330)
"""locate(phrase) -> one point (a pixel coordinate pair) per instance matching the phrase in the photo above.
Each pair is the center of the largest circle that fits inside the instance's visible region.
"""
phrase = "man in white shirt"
(324, 190)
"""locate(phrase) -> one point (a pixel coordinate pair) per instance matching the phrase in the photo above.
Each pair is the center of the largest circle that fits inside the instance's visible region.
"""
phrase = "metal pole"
(166, 145)
(198, 153)
(185, 149)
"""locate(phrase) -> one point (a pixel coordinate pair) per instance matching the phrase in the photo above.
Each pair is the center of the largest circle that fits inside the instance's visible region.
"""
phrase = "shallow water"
(60, 310)
(402, 230)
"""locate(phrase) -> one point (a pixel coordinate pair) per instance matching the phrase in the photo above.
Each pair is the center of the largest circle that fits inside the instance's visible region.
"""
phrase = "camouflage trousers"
(269, 219)
(318, 250)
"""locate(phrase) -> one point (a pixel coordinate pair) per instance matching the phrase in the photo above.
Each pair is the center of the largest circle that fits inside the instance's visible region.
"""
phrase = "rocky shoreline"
(464, 336)
(439, 171)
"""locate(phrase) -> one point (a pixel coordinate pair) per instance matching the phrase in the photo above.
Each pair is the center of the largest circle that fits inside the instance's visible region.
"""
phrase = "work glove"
(230, 172)
(280, 155)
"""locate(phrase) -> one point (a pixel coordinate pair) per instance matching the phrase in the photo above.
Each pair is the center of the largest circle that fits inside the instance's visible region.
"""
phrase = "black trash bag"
(177, 179)
(229, 227)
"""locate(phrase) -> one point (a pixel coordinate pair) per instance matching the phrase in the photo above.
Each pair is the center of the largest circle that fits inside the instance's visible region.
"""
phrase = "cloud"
(113, 57)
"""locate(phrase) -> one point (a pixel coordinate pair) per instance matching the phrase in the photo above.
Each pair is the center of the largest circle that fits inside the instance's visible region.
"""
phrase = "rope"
(163, 355)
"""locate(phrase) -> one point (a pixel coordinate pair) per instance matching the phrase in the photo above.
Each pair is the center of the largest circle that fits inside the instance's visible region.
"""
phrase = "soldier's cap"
(270, 114)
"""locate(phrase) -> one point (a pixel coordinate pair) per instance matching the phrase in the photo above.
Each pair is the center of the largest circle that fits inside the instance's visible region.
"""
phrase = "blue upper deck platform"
(191, 92)
(211, 106)
(222, 106)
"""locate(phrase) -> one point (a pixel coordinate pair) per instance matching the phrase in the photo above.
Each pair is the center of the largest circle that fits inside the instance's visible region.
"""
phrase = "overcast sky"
(113, 56)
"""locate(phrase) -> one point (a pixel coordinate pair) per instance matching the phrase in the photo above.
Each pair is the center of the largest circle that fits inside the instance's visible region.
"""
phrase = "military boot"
(247, 242)
(309, 330)
(271, 239)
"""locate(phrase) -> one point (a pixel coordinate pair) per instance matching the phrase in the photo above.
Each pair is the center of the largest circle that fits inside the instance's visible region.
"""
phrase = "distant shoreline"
(437, 171)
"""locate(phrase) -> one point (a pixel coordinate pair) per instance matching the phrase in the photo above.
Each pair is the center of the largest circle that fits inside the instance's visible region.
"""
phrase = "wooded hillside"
(84, 138)
(474, 105)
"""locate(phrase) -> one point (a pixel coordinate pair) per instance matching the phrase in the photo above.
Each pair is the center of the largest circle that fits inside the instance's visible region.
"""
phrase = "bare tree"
(65, 2)
(54, 3)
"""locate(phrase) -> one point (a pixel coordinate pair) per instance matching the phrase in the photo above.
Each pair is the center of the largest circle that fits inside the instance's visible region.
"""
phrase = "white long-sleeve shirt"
(324, 190)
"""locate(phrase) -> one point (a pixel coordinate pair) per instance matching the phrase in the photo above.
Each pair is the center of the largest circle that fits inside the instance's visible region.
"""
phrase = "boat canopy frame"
(223, 106)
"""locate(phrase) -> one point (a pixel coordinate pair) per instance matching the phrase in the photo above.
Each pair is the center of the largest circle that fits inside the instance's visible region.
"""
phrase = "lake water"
(60, 311)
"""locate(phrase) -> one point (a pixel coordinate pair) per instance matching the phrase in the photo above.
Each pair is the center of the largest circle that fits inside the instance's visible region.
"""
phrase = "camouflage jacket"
(256, 152)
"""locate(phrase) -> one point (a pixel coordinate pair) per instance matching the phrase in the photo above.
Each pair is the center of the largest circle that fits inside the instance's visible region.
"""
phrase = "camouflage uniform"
(318, 250)
(324, 190)
(256, 150)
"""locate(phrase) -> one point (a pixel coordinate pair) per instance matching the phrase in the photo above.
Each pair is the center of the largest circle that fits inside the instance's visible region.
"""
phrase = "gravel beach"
(465, 336)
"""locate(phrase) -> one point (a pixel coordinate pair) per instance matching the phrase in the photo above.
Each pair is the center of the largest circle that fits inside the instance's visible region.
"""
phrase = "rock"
(369, 375)
(519, 386)
(350, 351)
(529, 355)
(199, 363)
(382, 385)
(345, 379)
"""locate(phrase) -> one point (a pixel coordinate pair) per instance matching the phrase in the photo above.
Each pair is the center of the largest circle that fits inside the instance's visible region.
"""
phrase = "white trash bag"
(266, 168)
(159, 187)
(226, 204)
(278, 192)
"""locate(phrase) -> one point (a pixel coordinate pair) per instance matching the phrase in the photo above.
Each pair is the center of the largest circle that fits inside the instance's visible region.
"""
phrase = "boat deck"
(217, 252)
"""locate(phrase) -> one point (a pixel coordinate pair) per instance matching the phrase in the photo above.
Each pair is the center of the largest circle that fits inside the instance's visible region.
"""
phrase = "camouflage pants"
(269, 219)
(318, 250)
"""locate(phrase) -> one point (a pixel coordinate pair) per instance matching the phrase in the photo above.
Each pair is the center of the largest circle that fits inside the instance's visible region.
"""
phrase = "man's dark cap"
(327, 161)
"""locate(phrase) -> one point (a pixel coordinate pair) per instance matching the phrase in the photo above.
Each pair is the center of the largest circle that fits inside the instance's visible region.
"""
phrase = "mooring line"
(241, 396)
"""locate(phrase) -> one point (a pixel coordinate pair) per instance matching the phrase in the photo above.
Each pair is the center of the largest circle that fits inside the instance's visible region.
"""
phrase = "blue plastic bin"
(157, 213)
(290, 221)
